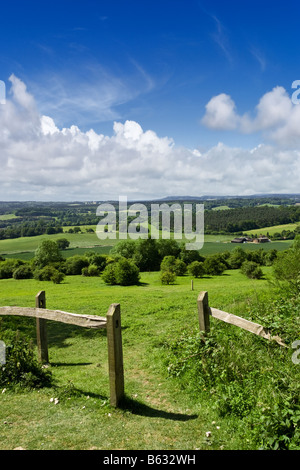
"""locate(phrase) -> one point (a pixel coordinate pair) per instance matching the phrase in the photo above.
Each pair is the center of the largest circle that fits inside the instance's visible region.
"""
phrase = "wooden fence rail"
(205, 312)
(112, 323)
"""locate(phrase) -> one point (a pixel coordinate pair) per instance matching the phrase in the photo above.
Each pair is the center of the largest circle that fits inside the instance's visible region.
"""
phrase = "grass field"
(157, 413)
(273, 229)
(24, 247)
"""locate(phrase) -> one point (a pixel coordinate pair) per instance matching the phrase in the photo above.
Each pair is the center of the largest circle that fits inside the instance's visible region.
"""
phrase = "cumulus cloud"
(40, 161)
(221, 113)
(276, 117)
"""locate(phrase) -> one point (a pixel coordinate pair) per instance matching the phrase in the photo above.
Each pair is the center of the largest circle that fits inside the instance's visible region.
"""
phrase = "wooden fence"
(205, 312)
(112, 323)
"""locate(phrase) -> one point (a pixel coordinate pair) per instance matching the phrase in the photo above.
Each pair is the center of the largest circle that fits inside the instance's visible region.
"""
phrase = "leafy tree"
(63, 243)
(47, 253)
(188, 256)
(123, 272)
(146, 256)
(237, 258)
(214, 265)
(196, 269)
(125, 248)
(168, 248)
(98, 260)
(168, 264)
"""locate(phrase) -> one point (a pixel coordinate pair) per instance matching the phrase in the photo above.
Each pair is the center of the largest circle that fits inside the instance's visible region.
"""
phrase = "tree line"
(129, 258)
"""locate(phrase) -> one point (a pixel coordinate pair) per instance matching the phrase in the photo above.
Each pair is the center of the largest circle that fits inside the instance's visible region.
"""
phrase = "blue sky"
(163, 92)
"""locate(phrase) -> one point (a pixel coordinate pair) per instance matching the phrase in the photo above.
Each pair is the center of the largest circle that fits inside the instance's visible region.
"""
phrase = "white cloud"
(41, 161)
(276, 117)
(220, 113)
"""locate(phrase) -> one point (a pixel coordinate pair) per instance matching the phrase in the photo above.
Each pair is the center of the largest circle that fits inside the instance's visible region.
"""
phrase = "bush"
(123, 272)
(74, 265)
(23, 272)
(91, 270)
(167, 277)
(8, 267)
(21, 367)
(196, 269)
(252, 270)
(168, 263)
(97, 260)
(49, 273)
(63, 243)
(286, 267)
(214, 265)
(237, 258)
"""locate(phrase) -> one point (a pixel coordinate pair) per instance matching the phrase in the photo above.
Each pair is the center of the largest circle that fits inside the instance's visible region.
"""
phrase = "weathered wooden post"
(41, 329)
(115, 354)
(203, 312)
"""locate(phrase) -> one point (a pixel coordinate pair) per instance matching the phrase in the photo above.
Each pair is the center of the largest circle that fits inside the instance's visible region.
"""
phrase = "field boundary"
(205, 312)
(112, 323)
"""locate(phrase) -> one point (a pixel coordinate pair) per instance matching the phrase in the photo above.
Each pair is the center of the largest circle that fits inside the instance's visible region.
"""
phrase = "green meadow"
(158, 415)
(159, 411)
(24, 247)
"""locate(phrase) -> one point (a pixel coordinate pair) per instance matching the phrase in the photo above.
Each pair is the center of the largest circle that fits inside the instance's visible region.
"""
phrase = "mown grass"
(157, 413)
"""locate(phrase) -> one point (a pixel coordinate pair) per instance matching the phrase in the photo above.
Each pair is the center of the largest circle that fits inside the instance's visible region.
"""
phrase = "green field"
(160, 415)
(25, 247)
(274, 229)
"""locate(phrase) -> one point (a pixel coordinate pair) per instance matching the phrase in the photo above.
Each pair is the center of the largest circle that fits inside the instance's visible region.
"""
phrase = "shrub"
(57, 277)
(63, 243)
(286, 267)
(8, 267)
(108, 274)
(167, 277)
(98, 260)
(168, 263)
(91, 270)
(196, 269)
(180, 267)
(23, 272)
(123, 272)
(49, 273)
(214, 265)
(21, 367)
(237, 258)
(75, 264)
(252, 270)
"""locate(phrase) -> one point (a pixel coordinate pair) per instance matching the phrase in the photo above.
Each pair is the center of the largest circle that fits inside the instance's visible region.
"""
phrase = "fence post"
(41, 329)
(115, 354)
(203, 312)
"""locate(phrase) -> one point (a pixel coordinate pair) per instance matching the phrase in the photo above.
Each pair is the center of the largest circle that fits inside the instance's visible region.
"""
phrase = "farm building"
(261, 239)
(239, 240)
